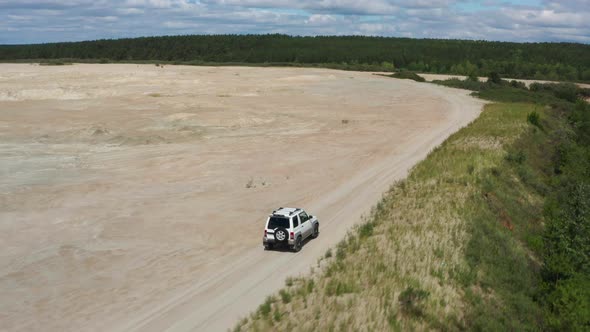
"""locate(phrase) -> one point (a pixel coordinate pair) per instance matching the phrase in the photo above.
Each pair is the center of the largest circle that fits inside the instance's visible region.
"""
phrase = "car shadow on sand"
(287, 248)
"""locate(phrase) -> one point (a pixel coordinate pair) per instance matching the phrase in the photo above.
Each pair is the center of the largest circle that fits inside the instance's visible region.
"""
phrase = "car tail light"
(292, 235)
(265, 233)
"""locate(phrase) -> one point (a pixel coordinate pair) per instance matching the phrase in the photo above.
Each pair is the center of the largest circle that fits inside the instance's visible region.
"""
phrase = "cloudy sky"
(33, 21)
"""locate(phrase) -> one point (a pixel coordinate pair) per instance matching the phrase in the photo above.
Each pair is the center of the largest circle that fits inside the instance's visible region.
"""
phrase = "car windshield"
(275, 222)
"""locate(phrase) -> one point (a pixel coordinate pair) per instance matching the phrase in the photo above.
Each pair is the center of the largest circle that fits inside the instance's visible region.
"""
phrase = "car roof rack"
(290, 213)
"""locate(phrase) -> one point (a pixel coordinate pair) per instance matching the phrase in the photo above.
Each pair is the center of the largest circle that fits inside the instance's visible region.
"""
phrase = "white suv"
(289, 226)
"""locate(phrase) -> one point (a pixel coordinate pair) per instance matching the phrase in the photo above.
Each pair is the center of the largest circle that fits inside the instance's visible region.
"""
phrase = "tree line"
(552, 61)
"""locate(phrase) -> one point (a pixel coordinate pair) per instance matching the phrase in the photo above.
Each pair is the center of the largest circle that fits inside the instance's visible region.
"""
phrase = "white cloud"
(321, 19)
(44, 20)
(129, 11)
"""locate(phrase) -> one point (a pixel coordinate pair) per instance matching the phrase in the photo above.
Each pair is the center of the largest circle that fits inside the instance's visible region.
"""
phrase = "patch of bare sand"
(124, 202)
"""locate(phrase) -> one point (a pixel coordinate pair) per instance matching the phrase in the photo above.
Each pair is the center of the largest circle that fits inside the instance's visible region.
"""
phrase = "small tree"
(494, 78)
(473, 77)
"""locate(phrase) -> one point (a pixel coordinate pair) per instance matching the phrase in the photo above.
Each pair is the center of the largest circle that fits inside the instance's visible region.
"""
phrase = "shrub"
(408, 75)
(517, 84)
(411, 301)
(54, 63)
(366, 229)
(277, 315)
(516, 157)
(566, 91)
(341, 248)
(264, 309)
(496, 171)
(285, 296)
(328, 253)
(494, 78)
(310, 285)
(468, 84)
(570, 304)
(289, 282)
(584, 92)
(338, 288)
(535, 119)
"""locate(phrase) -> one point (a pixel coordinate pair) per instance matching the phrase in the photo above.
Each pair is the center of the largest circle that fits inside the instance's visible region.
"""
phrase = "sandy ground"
(133, 197)
(432, 77)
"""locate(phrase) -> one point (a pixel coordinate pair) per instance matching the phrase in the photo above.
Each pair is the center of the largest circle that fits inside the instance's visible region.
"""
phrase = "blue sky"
(30, 21)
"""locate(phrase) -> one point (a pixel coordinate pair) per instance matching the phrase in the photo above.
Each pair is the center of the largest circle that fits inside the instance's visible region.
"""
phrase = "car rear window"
(275, 222)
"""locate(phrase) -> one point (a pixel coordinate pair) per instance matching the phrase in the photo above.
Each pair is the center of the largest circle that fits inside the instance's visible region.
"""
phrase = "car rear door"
(275, 222)
(297, 227)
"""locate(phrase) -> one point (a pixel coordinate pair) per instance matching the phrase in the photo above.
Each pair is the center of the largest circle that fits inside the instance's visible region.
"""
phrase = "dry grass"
(412, 244)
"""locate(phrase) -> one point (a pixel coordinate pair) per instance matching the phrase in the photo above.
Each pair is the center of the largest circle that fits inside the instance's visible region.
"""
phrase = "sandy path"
(133, 197)
(432, 77)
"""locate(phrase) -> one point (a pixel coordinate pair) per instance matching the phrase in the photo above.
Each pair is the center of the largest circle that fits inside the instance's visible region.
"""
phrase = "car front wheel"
(316, 231)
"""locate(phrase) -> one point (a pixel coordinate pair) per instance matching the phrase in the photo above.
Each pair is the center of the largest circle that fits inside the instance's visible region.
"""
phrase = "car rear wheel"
(268, 246)
(297, 245)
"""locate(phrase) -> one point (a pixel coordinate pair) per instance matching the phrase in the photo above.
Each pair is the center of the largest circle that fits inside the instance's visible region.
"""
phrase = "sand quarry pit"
(133, 197)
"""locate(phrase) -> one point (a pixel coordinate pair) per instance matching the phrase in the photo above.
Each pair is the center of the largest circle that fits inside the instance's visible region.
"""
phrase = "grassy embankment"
(461, 243)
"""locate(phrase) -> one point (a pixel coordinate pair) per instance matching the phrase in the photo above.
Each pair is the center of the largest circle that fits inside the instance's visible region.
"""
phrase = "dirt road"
(132, 197)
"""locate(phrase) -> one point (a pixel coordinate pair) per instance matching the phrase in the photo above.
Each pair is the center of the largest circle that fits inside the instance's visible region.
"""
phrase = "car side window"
(303, 217)
(295, 221)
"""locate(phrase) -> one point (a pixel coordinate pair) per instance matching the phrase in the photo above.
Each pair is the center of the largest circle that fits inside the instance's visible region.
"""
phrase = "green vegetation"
(535, 119)
(408, 75)
(497, 89)
(490, 232)
(566, 239)
(551, 61)
(285, 296)
(54, 63)
(411, 301)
